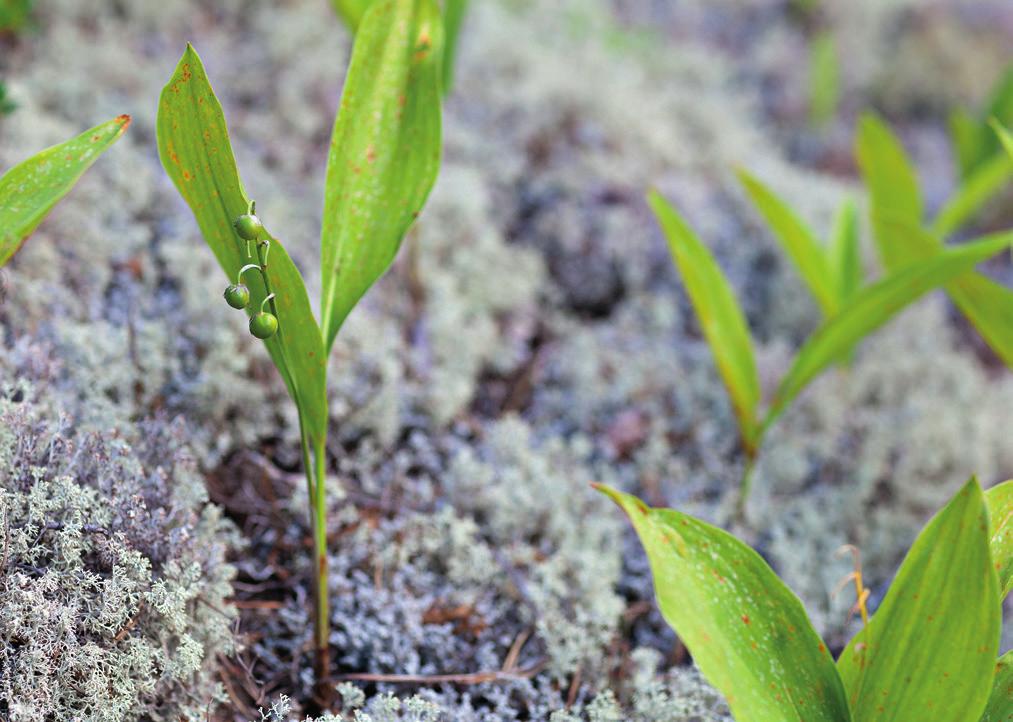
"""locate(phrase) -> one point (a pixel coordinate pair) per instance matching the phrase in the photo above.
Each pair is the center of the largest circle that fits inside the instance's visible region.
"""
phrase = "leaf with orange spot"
(1000, 702)
(747, 632)
(193, 143)
(929, 651)
(385, 150)
(29, 190)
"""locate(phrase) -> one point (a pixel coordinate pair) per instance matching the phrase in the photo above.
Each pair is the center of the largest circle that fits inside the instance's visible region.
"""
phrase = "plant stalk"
(319, 525)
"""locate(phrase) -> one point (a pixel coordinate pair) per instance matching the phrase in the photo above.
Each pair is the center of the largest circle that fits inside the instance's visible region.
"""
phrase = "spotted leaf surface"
(929, 652)
(747, 632)
(29, 190)
(1000, 701)
(385, 150)
(193, 143)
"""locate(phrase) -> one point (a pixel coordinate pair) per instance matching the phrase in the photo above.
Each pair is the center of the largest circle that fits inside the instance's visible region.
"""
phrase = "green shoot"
(855, 312)
(29, 190)
(15, 15)
(897, 220)
(928, 652)
(383, 162)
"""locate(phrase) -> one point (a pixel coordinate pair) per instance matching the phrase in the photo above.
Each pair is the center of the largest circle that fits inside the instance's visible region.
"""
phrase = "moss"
(113, 587)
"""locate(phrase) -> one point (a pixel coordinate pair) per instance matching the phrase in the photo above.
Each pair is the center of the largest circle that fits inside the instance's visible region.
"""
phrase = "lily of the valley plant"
(928, 653)
(383, 160)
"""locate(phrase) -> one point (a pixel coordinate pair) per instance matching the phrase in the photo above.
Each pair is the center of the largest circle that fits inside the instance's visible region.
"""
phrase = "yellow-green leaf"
(747, 632)
(720, 316)
(798, 241)
(893, 187)
(29, 190)
(1000, 701)
(193, 143)
(873, 307)
(385, 150)
(929, 652)
(1000, 524)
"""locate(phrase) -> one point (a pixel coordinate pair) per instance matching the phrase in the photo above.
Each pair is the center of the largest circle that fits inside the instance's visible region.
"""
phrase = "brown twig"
(466, 679)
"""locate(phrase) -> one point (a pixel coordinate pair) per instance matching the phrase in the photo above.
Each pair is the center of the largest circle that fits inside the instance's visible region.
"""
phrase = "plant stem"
(323, 617)
(745, 486)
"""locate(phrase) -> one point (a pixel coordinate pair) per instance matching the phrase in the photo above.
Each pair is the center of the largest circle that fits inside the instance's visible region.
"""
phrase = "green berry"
(249, 227)
(263, 324)
(237, 296)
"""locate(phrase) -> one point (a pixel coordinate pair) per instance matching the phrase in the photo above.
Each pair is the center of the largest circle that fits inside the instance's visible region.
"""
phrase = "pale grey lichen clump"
(532, 338)
(113, 580)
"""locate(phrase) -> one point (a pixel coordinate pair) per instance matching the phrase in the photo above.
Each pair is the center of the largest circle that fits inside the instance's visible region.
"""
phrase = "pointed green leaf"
(844, 253)
(1000, 524)
(984, 183)
(385, 150)
(893, 187)
(798, 241)
(1000, 701)
(193, 143)
(719, 313)
(351, 11)
(873, 307)
(929, 652)
(29, 190)
(747, 632)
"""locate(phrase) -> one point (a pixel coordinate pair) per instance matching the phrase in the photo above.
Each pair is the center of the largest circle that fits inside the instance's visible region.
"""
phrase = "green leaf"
(1000, 525)
(453, 19)
(873, 307)
(351, 11)
(893, 187)
(929, 652)
(985, 182)
(29, 190)
(719, 313)
(385, 150)
(747, 632)
(798, 241)
(844, 253)
(193, 143)
(1000, 702)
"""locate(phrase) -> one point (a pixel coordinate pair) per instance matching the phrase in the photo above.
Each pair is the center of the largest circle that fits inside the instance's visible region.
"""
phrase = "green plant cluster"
(915, 257)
